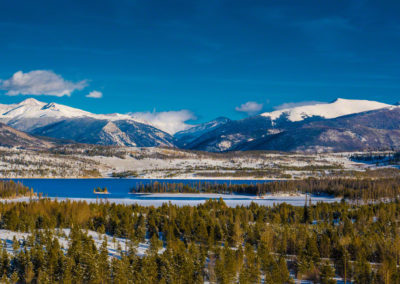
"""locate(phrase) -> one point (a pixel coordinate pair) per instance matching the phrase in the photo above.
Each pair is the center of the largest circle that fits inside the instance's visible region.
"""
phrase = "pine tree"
(306, 213)
(281, 274)
(66, 270)
(155, 243)
(29, 273)
(4, 279)
(363, 273)
(5, 262)
(327, 272)
(103, 264)
(237, 233)
(14, 277)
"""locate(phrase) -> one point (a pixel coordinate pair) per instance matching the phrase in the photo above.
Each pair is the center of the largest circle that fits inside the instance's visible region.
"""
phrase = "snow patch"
(335, 109)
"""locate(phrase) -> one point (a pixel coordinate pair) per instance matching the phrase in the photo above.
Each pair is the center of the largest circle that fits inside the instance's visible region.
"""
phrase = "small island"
(100, 190)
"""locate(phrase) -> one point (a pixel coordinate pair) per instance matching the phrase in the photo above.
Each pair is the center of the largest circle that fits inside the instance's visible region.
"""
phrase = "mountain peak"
(30, 101)
(221, 118)
(340, 100)
(337, 108)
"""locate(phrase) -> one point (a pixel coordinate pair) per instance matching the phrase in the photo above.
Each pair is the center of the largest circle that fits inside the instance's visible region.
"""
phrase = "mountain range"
(342, 125)
(67, 123)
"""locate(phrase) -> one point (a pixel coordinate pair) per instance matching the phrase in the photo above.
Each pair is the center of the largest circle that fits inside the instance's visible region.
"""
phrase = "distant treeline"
(89, 150)
(390, 158)
(11, 189)
(124, 174)
(198, 187)
(353, 189)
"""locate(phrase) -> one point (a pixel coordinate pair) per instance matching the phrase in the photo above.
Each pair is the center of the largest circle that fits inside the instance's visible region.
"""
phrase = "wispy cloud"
(95, 95)
(250, 108)
(296, 104)
(40, 82)
(168, 121)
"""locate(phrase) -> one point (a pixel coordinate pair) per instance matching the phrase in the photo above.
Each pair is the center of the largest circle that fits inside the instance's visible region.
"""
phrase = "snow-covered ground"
(16, 163)
(186, 165)
(196, 199)
(62, 235)
(172, 164)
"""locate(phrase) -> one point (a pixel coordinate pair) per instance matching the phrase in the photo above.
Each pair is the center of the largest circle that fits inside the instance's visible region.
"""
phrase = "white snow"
(63, 238)
(183, 199)
(200, 129)
(335, 109)
(225, 144)
(49, 113)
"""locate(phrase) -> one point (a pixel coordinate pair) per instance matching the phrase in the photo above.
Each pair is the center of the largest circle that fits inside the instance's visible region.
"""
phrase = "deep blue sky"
(205, 56)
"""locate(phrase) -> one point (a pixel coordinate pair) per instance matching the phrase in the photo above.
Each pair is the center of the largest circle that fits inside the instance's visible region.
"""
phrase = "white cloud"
(40, 82)
(297, 104)
(95, 95)
(250, 108)
(168, 121)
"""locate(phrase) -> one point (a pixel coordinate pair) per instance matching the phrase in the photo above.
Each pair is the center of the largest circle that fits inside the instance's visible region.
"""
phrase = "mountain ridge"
(64, 122)
(335, 126)
(338, 107)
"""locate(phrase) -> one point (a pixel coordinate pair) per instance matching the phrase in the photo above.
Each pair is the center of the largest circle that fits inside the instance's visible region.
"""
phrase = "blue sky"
(206, 57)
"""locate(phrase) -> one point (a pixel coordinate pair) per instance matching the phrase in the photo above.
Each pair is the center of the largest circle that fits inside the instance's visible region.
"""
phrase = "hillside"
(10, 137)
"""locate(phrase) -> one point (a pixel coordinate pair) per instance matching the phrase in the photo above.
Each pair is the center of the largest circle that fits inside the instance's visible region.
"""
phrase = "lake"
(82, 189)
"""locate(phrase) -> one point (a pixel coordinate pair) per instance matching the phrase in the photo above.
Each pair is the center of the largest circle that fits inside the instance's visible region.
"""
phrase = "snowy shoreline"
(197, 199)
(18, 199)
(156, 178)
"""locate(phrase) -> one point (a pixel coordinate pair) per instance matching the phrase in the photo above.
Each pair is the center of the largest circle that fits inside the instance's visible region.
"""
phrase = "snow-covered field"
(16, 163)
(189, 165)
(172, 164)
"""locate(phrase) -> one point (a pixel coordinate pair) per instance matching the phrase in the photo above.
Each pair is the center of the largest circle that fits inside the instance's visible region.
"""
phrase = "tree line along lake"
(123, 191)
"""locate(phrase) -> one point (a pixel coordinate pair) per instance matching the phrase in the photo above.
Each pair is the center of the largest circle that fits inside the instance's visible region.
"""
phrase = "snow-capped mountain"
(183, 138)
(64, 122)
(335, 109)
(338, 126)
(104, 132)
(372, 130)
(31, 113)
(265, 131)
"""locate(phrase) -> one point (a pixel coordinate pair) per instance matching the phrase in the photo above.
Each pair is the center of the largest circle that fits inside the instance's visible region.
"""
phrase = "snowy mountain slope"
(230, 134)
(234, 135)
(31, 113)
(337, 108)
(373, 130)
(185, 137)
(324, 126)
(64, 122)
(103, 132)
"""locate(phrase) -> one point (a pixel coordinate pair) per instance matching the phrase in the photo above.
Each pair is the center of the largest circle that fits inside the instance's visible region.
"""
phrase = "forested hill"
(206, 243)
